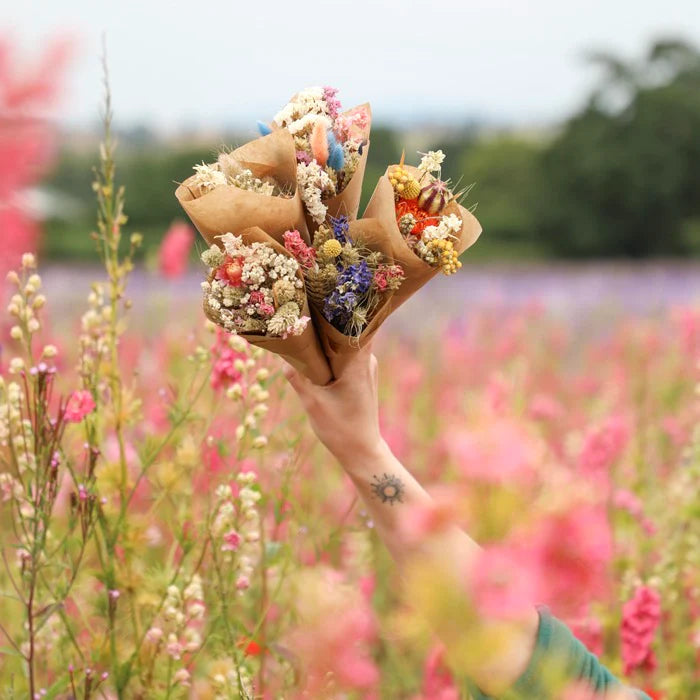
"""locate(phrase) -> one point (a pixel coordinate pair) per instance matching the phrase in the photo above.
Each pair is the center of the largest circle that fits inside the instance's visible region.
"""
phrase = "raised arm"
(345, 417)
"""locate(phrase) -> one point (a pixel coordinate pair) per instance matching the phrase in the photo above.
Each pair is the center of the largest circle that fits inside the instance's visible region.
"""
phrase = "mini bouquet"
(331, 151)
(254, 185)
(422, 216)
(255, 289)
(350, 278)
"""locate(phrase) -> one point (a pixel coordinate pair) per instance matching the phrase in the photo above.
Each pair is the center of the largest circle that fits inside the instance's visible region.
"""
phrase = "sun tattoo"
(388, 488)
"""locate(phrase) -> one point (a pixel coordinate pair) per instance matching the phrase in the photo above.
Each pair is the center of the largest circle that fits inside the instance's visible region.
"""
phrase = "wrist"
(357, 460)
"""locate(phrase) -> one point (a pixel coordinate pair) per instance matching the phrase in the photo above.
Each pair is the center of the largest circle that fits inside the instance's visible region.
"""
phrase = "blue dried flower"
(264, 129)
(358, 278)
(336, 155)
(338, 306)
(341, 227)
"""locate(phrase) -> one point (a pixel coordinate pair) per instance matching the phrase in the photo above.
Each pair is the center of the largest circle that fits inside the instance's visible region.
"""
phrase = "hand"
(345, 414)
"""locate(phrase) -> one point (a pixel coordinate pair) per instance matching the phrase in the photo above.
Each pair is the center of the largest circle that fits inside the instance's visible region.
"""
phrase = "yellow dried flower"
(332, 248)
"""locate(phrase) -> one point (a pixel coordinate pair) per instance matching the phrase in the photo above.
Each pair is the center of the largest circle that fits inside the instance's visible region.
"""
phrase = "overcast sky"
(215, 62)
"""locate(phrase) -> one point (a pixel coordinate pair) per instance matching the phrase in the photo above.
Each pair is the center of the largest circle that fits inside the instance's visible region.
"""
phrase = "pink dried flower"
(640, 619)
(266, 309)
(303, 157)
(333, 103)
(304, 254)
(257, 297)
(231, 272)
(79, 405)
(175, 250)
(351, 124)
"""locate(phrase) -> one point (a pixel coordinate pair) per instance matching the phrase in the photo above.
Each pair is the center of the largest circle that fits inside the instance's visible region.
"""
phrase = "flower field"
(169, 527)
(181, 535)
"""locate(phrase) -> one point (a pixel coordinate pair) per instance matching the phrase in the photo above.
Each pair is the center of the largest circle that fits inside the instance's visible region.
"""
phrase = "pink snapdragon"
(640, 619)
(226, 370)
(603, 446)
(175, 250)
(79, 405)
(438, 683)
(232, 541)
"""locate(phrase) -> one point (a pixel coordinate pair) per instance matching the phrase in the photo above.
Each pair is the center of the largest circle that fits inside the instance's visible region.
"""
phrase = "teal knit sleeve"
(558, 655)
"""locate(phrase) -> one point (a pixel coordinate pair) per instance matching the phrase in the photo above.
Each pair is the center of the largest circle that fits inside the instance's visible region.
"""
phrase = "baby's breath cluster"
(253, 289)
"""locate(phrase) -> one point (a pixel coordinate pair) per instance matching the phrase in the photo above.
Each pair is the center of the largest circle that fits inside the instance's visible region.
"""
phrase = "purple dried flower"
(341, 227)
(303, 157)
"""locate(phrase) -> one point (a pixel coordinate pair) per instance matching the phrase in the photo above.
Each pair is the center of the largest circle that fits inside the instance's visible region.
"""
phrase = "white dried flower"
(431, 161)
(208, 177)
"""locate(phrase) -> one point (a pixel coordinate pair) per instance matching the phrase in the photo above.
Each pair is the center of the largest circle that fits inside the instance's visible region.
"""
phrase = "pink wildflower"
(640, 619)
(438, 683)
(603, 446)
(574, 549)
(232, 541)
(79, 405)
(225, 372)
(175, 250)
(304, 254)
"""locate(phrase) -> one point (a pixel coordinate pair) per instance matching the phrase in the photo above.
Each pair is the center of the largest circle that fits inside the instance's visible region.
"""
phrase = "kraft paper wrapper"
(232, 209)
(338, 347)
(303, 351)
(382, 207)
(348, 201)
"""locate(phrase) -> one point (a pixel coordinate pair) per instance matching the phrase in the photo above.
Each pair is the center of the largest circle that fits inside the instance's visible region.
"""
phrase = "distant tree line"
(621, 178)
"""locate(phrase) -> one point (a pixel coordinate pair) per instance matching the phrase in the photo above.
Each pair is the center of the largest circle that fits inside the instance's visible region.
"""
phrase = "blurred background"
(577, 122)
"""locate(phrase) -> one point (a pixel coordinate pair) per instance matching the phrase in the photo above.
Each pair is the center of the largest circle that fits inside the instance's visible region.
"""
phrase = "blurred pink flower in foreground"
(640, 618)
(26, 140)
(175, 250)
(499, 450)
(332, 640)
(573, 549)
(79, 405)
(505, 581)
(225, 372)
(603, 446)
(438, 683)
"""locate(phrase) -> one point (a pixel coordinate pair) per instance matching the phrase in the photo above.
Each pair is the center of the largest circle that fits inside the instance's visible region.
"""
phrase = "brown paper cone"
(232, 209)
(382, 207)
(303, 351)
(338, 347)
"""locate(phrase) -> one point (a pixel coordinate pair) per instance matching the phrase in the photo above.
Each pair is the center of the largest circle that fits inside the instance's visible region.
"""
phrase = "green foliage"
(624, 181)
(620, 178)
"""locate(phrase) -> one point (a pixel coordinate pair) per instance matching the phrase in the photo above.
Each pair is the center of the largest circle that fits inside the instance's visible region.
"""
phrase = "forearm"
(391, 494)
